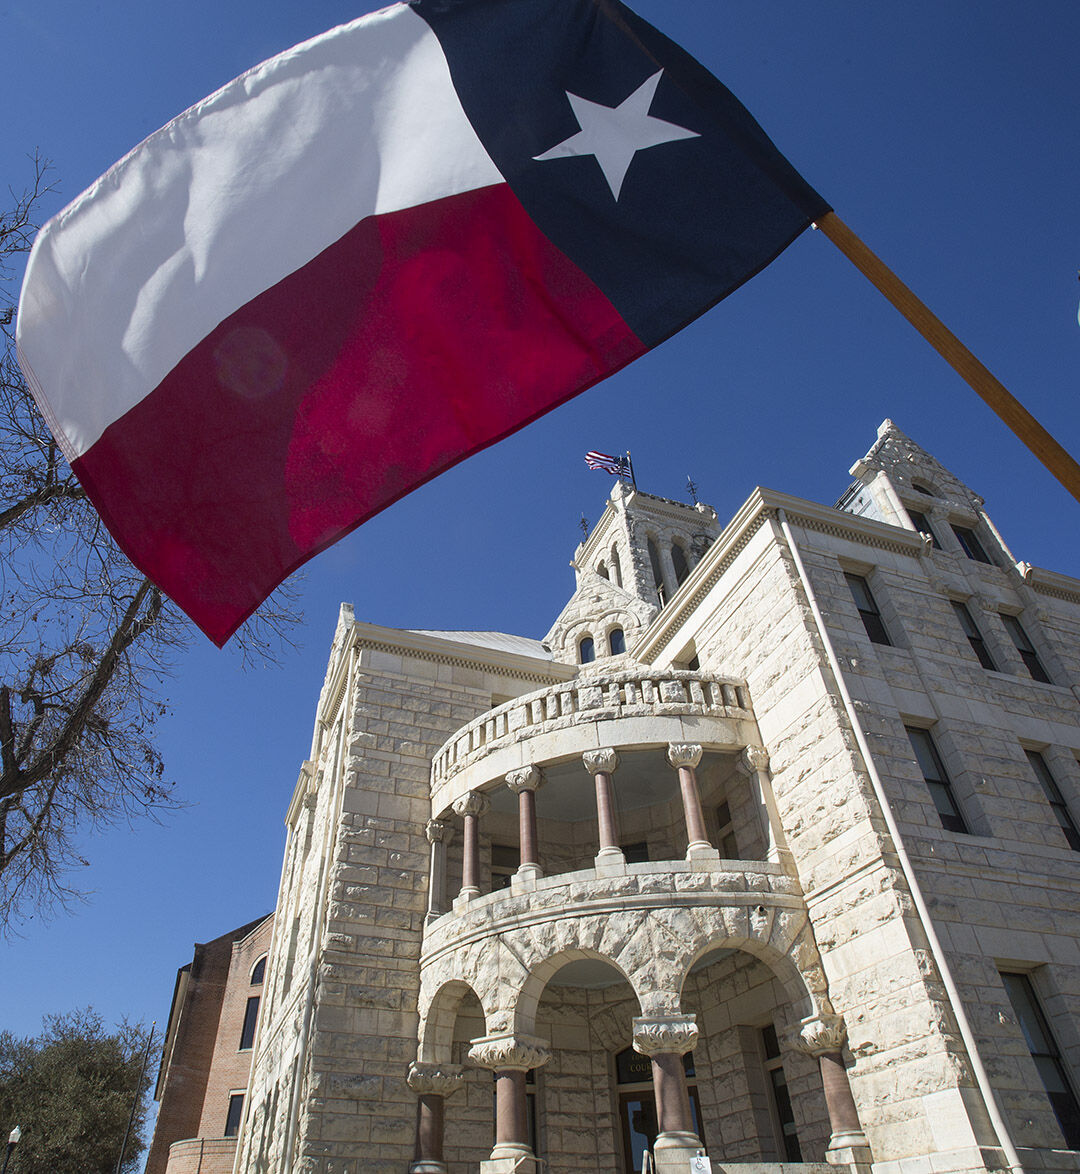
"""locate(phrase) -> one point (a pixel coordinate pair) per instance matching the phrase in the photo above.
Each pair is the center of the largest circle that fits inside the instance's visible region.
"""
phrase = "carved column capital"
(819, 1035)
(605, 760)
(528, 778)
(438, 832)
(665, 1034)
(756, 758)
(509, 1052)
(471, 803)
(683, 754)
(440, 1079)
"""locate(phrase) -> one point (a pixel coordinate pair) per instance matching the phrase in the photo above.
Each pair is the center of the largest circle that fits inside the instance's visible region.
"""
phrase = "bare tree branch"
(85, 642)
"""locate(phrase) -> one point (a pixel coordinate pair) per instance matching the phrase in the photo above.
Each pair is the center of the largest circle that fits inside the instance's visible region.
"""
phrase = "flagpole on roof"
(953, 351)
(630, 462)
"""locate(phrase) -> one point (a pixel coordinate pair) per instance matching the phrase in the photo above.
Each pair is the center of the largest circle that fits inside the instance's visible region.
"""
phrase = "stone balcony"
(625, 709)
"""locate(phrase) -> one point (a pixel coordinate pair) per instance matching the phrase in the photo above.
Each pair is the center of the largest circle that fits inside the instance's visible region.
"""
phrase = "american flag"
(609, 464)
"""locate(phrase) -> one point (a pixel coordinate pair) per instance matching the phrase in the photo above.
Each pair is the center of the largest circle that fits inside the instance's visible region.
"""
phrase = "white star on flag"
(615, 134)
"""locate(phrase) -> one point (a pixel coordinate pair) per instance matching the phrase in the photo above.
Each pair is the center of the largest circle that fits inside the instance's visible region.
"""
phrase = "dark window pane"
(251, 1017)
(921, 523)
(616, 641)
(678, 561)
(1026, 649)
(971, 545)
(632, 1067)
(868, 609)
(236, 1111)
(587, 650)
(971, 631)
(636, 853)
(937, 781)
(259, 972)
(769, 1042)
(1055, 798)
(1045, 1053)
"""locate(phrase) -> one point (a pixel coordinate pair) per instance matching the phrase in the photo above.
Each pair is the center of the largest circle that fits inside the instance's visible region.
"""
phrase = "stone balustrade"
(499, 740)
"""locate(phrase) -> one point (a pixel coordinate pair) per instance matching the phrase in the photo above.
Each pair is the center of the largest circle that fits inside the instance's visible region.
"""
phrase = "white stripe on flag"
(238, 192)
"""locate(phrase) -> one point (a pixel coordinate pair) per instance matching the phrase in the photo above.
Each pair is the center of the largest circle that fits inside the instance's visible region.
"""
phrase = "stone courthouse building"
(768, 851)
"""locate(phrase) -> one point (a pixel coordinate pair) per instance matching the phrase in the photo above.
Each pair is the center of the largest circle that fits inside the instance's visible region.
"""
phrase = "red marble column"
(432, 1083)
(510, 1056)
(822, 1036)
(601, 764)
(665, 1039)
(685, 758)
(470, 807)
(524, 784)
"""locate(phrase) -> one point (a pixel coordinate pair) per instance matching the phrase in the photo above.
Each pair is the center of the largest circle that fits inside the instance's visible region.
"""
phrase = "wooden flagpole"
(953, 351)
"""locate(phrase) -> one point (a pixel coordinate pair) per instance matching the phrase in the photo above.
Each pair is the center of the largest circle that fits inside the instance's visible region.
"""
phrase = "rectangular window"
(1024, 646)
(974, 636)
(921, 523)
(251, 1017)
(1054, 798)
(868, 609)
(933, 770)
(636, 853)
(1044, 1052)
(781, 1099)
(725, 836)
(236, 1111)
(504, 863)
(970, 544)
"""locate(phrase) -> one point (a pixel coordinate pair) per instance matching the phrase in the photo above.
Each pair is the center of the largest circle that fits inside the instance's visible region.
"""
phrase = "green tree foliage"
(70, 1090)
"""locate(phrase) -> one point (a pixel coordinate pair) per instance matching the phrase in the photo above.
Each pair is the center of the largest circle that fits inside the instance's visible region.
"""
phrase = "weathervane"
(584, 524)
(691, 488)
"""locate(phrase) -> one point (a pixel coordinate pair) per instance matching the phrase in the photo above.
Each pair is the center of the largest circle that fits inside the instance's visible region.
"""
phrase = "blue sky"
(946, 135)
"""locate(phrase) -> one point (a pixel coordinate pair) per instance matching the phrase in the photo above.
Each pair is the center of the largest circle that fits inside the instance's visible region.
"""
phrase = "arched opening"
(616, 567)
(586, 650)
(678, 561)
(601, 569)
(922, 487)
(469, 1128)
(657, 573)
(616, 642)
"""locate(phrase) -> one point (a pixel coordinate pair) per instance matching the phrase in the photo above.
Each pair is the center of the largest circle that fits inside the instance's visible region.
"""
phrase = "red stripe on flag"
(415, 340)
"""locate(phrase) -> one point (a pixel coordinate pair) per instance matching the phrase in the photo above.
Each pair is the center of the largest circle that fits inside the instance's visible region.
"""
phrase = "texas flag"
(374, 255)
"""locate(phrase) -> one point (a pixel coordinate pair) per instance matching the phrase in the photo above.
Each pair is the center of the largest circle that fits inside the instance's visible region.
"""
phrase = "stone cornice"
(1053, 584)
(759, 508)
(372, 637)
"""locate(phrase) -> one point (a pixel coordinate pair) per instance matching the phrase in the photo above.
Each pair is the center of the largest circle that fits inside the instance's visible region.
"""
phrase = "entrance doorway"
(637, 1106)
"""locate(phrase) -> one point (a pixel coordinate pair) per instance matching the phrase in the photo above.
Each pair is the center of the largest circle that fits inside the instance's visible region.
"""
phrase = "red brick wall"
(185, 1078)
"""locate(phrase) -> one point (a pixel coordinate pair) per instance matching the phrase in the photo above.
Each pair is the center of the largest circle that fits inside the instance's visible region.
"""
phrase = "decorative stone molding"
(440, 1079)
(600, 760)
(665, 1034)
(819, 1035)
(756, 758)
(683, 754)
(509, 1052)
(528, 778)
(438, 832)
(471, 803)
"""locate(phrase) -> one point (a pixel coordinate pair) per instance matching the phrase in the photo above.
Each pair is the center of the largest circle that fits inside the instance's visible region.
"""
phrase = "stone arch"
(540, 974)
(438, 1012)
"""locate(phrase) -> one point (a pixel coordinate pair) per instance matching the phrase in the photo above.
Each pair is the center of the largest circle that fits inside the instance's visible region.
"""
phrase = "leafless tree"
(85, 640)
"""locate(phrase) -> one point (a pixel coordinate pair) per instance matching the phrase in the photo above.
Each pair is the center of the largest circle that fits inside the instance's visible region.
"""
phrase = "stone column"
(432, 1083)
(510, 1056)
(438, 835)
(685, 757)
(524, 784)
(822, 1036)
(665, 1039)
(755, 761)
(601, 764)
(470, 807)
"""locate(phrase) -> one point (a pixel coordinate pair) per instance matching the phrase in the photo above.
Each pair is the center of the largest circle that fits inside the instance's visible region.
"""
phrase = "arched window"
(657, 574)
(678, 561)
(586, 650)
(616, 641)
(616, 567)
(258, 971)
(922, 487)
(602, 570)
